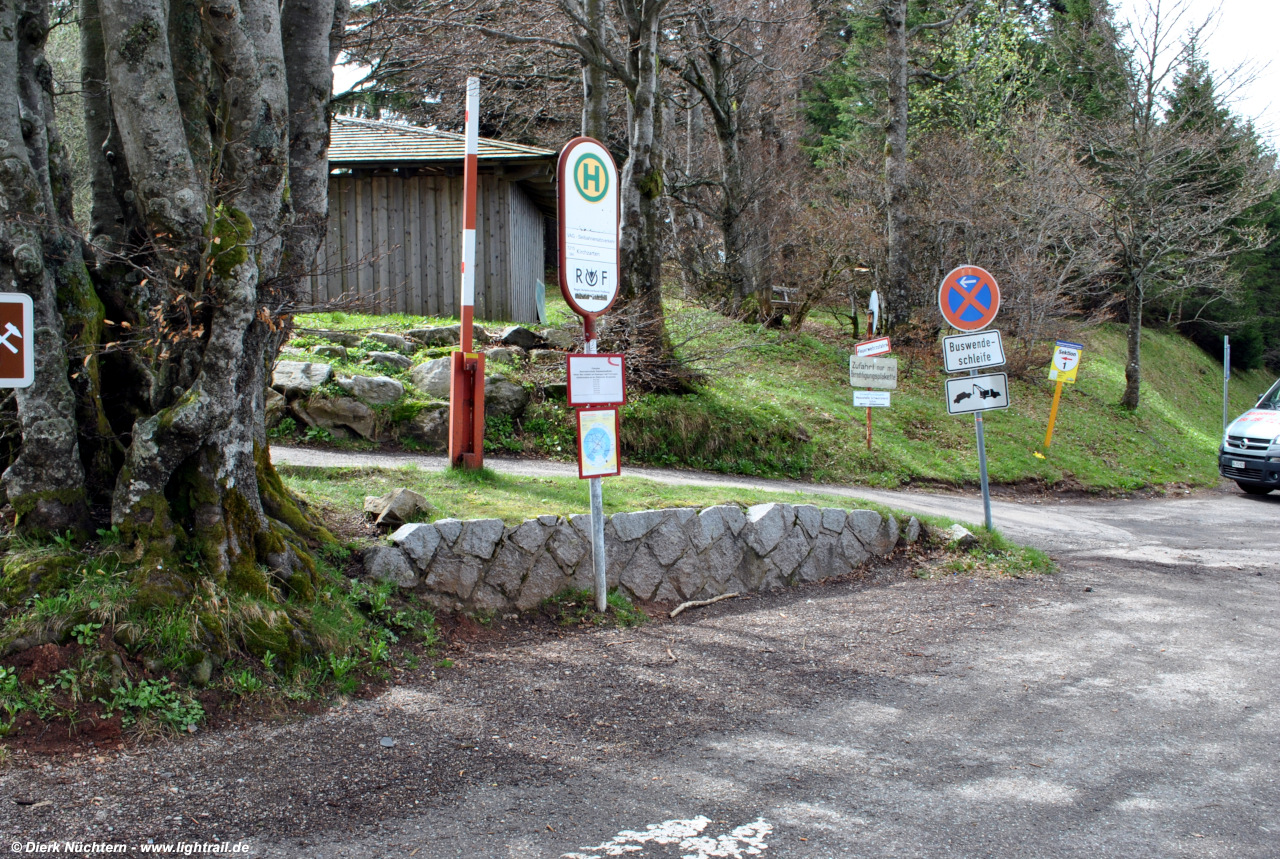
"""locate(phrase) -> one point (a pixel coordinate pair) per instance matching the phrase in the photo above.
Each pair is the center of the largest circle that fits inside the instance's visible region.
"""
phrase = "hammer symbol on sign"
(10, 330)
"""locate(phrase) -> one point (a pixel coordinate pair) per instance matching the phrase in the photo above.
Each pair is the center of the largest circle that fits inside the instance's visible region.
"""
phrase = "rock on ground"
(392, 341)
(295, 378)
(378, 390)
(520, 337)
(390, 359)
(396, 507)
(503, 398)
(338, 413)
(432, 378)
(431, 426)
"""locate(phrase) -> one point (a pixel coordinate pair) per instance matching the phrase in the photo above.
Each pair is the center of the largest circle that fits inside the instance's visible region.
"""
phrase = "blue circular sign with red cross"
(969, 298)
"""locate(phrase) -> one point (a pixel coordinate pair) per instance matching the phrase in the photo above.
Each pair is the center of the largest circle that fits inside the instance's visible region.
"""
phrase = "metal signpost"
(1226, 381)
(969, 299)
(868, 372)
(1062, 369)
(17, 349)
(589, 214)
(466, 378)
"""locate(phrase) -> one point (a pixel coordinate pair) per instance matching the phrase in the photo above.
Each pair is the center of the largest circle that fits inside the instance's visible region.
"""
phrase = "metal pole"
(1226, 382)
(1053, 414)
(470, 172)
(597, 516)
(868, 426)
(466, 378)
(982, 465)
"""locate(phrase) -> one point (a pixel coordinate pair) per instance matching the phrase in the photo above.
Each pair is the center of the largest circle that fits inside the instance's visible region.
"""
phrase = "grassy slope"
(1171, 438)
(746, 417)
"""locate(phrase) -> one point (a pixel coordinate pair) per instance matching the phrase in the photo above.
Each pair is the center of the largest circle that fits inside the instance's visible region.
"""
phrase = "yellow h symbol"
(591, 178)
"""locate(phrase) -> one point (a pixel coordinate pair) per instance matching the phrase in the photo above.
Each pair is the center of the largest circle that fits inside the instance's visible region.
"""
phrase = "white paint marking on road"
(745, 840)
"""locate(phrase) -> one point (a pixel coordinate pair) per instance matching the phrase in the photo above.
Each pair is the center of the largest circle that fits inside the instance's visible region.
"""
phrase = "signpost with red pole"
(589, 213)
(466, 380)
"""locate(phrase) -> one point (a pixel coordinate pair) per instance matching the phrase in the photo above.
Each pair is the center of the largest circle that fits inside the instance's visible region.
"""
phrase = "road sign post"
(872, 372)
(588, 210)
(466, 378)
(1062, 369)
(1226, 381)
(969, 299)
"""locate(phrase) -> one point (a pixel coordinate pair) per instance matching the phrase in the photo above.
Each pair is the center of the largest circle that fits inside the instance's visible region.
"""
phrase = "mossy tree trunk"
(208, 128)
(641, 189)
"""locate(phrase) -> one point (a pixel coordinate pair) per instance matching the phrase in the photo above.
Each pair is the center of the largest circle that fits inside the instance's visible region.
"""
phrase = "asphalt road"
(1124, 707)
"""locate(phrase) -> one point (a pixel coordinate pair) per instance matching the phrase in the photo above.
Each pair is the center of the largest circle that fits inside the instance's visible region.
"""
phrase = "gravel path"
(1125, 707)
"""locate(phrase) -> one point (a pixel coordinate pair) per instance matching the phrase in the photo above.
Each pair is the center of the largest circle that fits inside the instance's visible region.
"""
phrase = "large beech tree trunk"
(208, 129)
(641, 192)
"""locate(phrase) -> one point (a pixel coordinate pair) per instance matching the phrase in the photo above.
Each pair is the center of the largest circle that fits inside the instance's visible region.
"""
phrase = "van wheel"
(1253, 488)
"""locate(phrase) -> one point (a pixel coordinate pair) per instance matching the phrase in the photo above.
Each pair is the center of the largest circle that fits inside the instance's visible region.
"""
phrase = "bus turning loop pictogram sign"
(969, 298)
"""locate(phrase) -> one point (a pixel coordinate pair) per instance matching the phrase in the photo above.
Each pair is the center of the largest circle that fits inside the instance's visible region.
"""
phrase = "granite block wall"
(665, 555)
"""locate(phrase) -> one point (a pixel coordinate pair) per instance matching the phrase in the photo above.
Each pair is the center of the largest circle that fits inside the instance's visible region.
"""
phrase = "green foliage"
(500, 435)
(159, 700)
(317, 434)
(716, 433)
(286, 429)
(578, 608)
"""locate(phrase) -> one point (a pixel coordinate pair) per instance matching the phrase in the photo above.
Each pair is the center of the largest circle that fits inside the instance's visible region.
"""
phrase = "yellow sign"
(1066, 362)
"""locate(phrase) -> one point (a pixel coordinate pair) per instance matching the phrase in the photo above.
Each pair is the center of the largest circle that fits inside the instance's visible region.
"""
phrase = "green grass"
(802, 382)
(558, 313)
(486, 494)
(89, 596)
(773, 404)
(578, 608)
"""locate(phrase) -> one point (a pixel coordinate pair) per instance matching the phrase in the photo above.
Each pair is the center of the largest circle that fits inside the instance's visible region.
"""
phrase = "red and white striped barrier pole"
(466, 383)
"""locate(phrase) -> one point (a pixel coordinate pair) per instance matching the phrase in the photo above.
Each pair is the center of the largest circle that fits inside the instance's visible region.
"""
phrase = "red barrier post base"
(466, 410)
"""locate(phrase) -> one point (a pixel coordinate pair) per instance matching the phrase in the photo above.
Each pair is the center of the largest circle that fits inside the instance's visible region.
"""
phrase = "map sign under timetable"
(969, 394)
(588, 214)
(597, 380)
(964, 352)
(598, 443)
(879, 373)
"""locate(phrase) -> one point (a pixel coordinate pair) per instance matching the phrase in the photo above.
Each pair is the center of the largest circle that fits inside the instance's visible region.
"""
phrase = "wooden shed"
(395, 222)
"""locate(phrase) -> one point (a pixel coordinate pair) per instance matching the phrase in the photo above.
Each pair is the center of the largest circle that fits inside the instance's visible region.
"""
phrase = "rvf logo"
(17, 351)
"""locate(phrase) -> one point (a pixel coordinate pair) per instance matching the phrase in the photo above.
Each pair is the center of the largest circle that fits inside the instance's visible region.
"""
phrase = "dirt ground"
(1123, 707)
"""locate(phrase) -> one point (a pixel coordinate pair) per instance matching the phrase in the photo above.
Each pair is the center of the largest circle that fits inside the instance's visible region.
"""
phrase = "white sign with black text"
(976, 351)
(879, 373)
(871, 399)
(597, 380)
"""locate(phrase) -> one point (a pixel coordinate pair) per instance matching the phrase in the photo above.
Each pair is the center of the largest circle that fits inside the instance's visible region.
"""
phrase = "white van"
(1250, 451)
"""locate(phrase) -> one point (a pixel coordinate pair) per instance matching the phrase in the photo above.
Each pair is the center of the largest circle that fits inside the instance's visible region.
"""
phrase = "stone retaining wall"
(664, 555)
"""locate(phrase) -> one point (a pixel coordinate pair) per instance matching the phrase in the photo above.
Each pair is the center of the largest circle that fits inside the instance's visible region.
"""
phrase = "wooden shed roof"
(368, 142)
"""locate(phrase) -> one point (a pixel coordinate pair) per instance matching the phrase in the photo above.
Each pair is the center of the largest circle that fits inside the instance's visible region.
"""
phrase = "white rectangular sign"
(867, 348)
(597, 380)
(968, 394)
(976, 351)
(871, 399)
(587, 208)
(880, 373)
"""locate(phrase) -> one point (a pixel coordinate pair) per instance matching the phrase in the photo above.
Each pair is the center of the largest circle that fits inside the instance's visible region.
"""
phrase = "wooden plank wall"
(395, 245)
